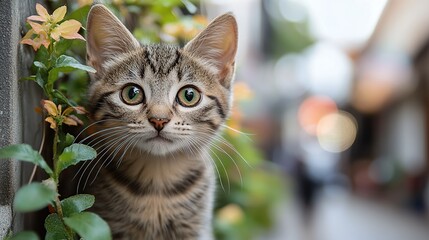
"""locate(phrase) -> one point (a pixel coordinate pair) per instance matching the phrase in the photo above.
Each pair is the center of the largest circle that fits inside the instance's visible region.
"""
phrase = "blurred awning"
(403, 27)
(384, 69)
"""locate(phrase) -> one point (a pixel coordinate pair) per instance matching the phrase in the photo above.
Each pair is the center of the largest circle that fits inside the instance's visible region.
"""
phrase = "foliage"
(51, 36)
(160, 21)
(287, 37)
(251, 186)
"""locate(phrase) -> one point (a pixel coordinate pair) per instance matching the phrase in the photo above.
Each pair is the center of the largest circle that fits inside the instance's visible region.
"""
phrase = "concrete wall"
(18, 120)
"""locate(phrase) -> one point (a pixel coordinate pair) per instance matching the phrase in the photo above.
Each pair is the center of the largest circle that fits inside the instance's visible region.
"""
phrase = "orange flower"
(57, 117)
(186, 28)
(231, 214)
(68, 29)
(45, 27)
(39, 40)
(44, 16)
(242, 93)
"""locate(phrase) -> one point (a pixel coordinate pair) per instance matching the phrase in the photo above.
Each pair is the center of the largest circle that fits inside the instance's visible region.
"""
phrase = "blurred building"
(340, 101)
(390, 95)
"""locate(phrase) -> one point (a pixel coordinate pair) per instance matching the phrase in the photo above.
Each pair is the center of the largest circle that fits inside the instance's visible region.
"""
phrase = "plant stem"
(58, 207)
(70, 234)
(55, 157)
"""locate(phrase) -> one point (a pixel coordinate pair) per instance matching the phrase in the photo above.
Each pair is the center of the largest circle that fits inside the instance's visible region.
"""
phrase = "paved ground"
(340, 216)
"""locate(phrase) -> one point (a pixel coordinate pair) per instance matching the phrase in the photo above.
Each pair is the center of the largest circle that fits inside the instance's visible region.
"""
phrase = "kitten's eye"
(132, 95)
(188, 96)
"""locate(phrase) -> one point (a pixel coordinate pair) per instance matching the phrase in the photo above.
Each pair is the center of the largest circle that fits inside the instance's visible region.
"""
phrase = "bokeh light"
(312, 110)
(292, 10)
(336, 132)
(329, 71)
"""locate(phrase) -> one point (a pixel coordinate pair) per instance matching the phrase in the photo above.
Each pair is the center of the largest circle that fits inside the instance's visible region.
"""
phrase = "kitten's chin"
(158, 146)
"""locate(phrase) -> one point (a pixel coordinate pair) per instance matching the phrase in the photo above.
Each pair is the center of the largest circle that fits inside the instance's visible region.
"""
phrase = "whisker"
(238, 131)
(220, 149)
(132, 144)
(92, 124)
(113, 154)
(197, 145)
(224, 169)
(222, 140)
(103, 162)
(105, 131)
(105, 165)
(106, 150)
(98, 153)
(105, 146)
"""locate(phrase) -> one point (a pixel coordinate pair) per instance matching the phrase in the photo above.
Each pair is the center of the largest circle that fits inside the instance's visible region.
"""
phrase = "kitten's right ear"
(106, 37)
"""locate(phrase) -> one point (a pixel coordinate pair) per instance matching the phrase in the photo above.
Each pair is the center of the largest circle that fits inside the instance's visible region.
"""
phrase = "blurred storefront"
(340, 103)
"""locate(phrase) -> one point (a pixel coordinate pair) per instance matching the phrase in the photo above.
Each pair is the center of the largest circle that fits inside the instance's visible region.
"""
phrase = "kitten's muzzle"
(159, 123)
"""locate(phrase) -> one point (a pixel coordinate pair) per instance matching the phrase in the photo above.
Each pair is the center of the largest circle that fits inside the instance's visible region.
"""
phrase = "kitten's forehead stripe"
(148, 61)
(162, 59)
(142, 71)
(177, 64)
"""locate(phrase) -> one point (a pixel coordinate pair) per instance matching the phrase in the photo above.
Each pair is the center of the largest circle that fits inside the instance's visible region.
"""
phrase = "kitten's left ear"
(217, 46)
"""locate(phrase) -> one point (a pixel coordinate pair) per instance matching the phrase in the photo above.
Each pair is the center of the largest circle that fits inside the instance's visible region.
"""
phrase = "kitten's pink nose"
(158, 123)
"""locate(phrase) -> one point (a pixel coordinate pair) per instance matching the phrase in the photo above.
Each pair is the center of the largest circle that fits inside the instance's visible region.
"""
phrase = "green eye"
(132, 95)
(188, 96)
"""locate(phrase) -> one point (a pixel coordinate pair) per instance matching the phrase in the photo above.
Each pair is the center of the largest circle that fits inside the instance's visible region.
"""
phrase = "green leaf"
(62, 46)
(24, 235)
(65, 141)
(33, 196)
(66, 64)
(79, 14)
(42, 55)
(63, 98)
(69, 139)
(55, 228)
(39, 79)
(89, 226)
(29, 78)
(77, 204)
(74, 154)
(24, 152)
(39, 65)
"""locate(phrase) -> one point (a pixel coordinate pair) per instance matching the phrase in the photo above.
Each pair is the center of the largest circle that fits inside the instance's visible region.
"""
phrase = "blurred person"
(306, 187)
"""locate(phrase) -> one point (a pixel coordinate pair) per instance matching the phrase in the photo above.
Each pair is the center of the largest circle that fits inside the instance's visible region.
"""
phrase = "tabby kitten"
(156, 110)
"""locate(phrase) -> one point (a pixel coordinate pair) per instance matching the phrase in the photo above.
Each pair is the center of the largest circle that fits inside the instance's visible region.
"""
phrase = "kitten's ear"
(106, 38)
(217, 46)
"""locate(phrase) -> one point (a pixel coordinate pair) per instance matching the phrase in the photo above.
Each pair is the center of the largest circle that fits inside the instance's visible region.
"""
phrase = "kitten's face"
(164, 99)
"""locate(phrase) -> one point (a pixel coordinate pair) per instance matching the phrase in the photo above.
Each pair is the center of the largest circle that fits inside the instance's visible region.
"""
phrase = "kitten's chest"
(148, 210)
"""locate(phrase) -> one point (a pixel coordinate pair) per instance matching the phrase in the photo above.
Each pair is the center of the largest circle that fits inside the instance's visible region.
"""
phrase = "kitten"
(156, 109)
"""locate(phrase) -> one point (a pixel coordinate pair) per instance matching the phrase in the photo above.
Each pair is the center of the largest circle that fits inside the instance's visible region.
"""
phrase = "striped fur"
(153, 184)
